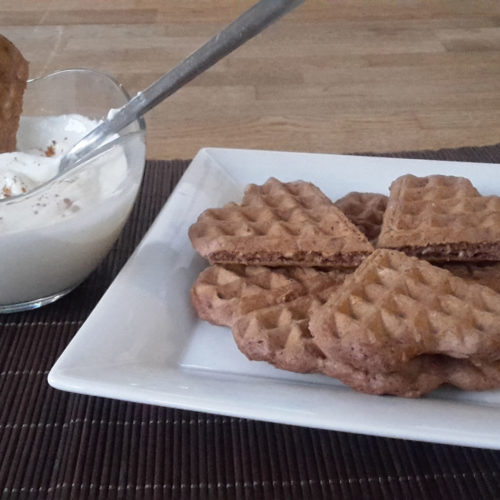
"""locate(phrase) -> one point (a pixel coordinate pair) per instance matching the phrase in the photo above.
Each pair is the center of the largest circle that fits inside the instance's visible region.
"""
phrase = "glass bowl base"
(33, 304)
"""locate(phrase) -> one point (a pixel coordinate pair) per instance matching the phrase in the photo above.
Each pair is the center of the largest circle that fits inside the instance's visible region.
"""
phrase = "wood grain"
(335, 76)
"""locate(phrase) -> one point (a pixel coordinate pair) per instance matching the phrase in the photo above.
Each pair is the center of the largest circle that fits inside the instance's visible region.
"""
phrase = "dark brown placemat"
(60, 445)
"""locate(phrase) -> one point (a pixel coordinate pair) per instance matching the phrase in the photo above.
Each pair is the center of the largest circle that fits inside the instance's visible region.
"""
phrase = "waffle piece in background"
(280, 224)
(441, 219)
(365, 211)
(13, 76)
(395, 308)
(268, 309)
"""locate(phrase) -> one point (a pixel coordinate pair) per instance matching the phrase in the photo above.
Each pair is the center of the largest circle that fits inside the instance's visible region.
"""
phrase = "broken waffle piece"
(395, 308)
(280, 224)
(222, 294)
(280, 336)
(365, 211)
(267, 309)
(13, 76)
(441, 219)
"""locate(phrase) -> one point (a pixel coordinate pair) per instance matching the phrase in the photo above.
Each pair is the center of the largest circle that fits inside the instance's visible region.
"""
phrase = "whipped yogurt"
(57, 232)
(41, 141)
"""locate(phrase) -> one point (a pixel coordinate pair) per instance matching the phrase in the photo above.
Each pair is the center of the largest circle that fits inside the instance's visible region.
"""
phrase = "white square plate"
(144, 342)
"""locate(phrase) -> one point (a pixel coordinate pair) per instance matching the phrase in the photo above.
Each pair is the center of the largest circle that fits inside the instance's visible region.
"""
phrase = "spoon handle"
(249, 24)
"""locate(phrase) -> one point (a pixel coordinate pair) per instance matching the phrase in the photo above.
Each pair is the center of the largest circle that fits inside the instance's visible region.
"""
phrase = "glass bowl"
(56, 234)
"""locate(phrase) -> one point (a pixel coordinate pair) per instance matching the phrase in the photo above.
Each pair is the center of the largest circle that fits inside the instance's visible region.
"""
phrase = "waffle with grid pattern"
(365, 211)
(280, 224)
(268, 309)
(395, 308)
(441, 219)
(280, 335)
(222, 293)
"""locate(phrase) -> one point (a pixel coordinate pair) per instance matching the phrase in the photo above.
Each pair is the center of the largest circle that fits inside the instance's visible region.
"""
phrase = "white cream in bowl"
(53, 236)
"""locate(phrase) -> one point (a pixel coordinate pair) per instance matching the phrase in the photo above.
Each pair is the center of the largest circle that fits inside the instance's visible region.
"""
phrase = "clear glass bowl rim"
(119, 87)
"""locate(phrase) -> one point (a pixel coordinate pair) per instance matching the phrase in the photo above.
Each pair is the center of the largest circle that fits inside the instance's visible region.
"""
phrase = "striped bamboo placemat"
(60, 445)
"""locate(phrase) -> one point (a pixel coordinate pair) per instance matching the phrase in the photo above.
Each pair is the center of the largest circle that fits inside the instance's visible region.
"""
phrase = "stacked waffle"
(342, 288)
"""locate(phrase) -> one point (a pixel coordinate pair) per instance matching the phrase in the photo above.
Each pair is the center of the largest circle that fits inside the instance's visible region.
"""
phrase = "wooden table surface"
(334, 76)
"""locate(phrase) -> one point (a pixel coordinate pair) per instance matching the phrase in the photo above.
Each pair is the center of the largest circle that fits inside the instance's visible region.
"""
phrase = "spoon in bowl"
(249, 24)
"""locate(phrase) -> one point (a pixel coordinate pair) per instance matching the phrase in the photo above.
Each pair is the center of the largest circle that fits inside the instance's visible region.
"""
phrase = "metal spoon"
(249, 24)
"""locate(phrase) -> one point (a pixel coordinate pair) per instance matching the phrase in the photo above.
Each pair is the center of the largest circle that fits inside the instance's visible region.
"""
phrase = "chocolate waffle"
(222, 294)
(280, 335)
(397, 325)
(280, 224)
(395, 308)
(487, 274)
(419, 376)
(13, 76)
(267, 309)
(365, 211)
(441, 218)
